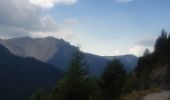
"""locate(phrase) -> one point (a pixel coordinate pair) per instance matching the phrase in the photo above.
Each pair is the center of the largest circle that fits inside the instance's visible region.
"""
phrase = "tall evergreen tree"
(160, 45)
(169, 44)
(146, 52)
(168, 60)
(39, 95)
(76, 84)
(113, 80)
(148, 63)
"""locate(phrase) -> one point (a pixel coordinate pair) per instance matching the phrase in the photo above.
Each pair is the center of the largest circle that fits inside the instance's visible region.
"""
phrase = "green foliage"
(39, 95)
(21, 76)
(129, 84)
(113, 80)
(143, 69)
(161, 45)
(146, 75)
(76, 84)
(146, 52)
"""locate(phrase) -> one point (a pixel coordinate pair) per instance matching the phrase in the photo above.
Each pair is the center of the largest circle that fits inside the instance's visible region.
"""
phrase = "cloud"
(142, 45)
(21, 18)
(65, 34)
(123, 1)
(147, 41)
(48, 24)
(116, 52)
(139, 50)
(51, 3)
(71, 21)
(19, 13)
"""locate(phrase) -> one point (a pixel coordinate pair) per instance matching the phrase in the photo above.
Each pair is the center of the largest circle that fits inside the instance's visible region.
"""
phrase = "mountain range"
(58, 52)
(20, 77)
(129, 60)
(27, 64)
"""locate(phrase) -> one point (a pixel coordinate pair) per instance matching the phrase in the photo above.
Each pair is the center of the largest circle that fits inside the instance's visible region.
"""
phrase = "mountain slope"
(20, 77)
(52, 50)
(153, 69)
(130, 61)
(56, 52)
(41, 49)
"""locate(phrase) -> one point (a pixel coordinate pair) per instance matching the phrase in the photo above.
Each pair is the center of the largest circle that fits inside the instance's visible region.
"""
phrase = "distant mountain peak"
(25, 37)
(59, 52)
(49, 38)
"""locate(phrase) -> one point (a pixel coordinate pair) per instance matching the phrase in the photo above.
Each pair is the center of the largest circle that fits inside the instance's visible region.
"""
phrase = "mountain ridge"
(129, 60)
(57, 52)
(21, 76)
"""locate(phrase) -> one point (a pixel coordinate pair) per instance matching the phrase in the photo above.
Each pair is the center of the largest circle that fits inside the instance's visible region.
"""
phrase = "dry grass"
(169, 97)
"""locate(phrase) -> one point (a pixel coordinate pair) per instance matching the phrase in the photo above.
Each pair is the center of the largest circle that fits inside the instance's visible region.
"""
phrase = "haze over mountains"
(128, 60)
(58, 53)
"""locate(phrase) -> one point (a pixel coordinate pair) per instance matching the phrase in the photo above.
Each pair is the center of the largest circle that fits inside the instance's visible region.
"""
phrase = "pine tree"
(146, 52)
(168, 44)
(149, 62)
(76, 84)
(143, 69)
(160, 45)
(39, 95)
(168, 60)
(113, 80)
(129, 84)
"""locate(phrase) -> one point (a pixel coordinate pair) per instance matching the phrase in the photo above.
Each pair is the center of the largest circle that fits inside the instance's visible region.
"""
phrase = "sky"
(102, 27)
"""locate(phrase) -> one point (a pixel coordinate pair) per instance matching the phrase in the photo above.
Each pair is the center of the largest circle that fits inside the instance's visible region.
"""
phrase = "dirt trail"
(164, 95)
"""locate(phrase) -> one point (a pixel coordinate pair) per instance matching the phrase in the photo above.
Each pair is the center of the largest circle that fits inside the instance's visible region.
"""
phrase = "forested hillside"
(152, 73)
(21, 77)
(58, 52)
(153, 68)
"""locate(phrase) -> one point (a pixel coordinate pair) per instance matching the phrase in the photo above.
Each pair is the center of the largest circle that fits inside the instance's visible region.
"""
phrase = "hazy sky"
(103, 27)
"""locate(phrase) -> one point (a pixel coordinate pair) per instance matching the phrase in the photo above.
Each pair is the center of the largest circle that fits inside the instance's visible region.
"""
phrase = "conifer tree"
(149, 62)
(113, 80)
(76, 84)
(160, 45)
(168, 44)
(39, 95)
(146, 52)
